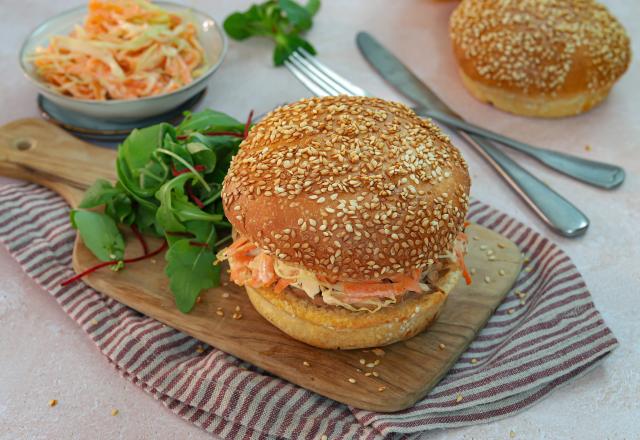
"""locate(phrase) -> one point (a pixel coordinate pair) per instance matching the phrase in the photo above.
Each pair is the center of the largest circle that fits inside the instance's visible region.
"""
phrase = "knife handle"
(556, 211)
(596, 173)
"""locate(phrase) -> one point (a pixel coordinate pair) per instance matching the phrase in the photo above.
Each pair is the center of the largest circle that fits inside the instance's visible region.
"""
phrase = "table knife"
(556, 211)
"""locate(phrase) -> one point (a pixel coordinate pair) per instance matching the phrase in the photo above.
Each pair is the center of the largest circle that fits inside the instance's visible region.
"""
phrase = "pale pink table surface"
(44, 354)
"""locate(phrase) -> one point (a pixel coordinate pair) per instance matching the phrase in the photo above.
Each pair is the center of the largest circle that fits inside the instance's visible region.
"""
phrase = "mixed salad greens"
(169, 185)
(281, 20)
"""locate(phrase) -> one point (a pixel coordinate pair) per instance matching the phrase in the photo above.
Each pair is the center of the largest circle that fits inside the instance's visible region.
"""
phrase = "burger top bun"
(350, 188)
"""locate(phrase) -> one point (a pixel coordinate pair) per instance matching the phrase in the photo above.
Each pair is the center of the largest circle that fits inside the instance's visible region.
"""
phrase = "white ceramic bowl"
(210, 35)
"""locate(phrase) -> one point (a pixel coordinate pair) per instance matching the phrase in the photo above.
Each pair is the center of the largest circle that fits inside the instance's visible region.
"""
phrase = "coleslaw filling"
(125, 49)
(250, 265)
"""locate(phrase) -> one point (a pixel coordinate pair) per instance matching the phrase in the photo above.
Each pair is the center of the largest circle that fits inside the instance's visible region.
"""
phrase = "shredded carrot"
(263, 274)
(281, 285)
(460, 257)
(251, 266)
(361, 290)
(125, 49)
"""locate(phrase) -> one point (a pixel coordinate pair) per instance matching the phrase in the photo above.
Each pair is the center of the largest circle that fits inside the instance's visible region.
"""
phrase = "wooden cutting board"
(39, 152)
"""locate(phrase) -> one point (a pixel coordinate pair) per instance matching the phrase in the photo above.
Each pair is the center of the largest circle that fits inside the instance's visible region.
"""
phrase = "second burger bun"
(340, 329)
(545, 58)
(351, 189)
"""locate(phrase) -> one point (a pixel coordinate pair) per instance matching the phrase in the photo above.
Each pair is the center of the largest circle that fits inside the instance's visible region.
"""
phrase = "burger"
(348, 217)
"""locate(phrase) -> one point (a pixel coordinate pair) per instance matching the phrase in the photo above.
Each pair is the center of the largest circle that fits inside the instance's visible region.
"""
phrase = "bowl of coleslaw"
(123, 59)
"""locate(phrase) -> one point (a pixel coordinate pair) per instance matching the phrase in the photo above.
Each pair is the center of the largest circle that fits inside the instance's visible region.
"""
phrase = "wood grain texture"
(42, 153)
(408, 370)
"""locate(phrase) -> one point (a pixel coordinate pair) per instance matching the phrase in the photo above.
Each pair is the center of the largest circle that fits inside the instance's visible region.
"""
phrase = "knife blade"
(398, 75)
(602, 175)
(556, 211)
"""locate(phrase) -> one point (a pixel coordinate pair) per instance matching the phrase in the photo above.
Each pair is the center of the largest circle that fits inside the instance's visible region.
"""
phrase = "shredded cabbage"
(334, 294)
(125, 49)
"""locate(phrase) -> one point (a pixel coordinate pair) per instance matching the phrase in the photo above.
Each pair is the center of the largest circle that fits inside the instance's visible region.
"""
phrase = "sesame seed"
(441, 346)
(225, 295)
(53, 402)
(352, 380)
(487, 279)
(370, 158)
(458, 398)
(306, 364)
(382, 388)
(531, 64)
(510, 311)
(501, 272)
(114, 412)
(474, 361)
(362, 361)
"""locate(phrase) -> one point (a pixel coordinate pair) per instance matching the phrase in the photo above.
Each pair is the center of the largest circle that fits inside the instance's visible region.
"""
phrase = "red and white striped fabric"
(556, 336)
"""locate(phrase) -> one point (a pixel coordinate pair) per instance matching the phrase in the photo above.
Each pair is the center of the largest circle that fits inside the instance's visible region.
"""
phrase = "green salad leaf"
(98, 194)
(100, 234)
(191, 268)
(281, 20)
(169, 185)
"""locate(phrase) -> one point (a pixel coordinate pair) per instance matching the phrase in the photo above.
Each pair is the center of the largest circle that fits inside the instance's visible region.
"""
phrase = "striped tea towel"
(530, 346)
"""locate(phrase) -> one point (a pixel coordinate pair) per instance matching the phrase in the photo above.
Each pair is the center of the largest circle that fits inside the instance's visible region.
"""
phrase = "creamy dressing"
(333, 294)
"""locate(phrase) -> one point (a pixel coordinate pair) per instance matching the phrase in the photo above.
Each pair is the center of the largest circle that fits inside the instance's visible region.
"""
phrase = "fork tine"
(308, 83)
(311, 69)
(318, 79)
(344, 83)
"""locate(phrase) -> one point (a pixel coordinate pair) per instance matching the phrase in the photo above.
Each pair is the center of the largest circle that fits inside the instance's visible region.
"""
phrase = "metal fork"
(553, 209)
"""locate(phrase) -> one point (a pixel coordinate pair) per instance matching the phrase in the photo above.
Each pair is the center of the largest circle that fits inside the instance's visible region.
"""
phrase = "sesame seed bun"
(547, 58)
(350, 188)
(338, 328)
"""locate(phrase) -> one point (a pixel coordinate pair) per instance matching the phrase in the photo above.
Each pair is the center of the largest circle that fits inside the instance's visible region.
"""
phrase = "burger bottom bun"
(540, 106)
(339, 328)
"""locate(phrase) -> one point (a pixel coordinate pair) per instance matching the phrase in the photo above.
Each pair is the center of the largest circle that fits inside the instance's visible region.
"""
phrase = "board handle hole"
(24, 144)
